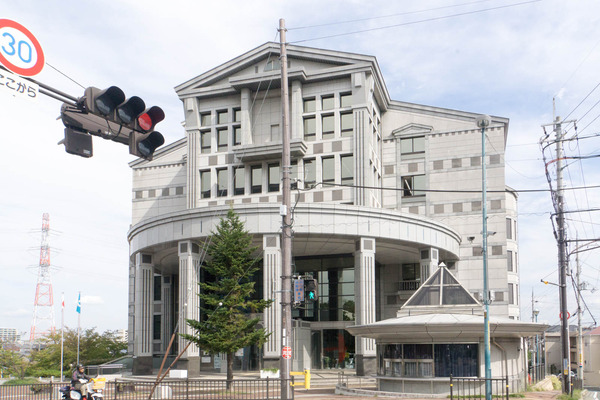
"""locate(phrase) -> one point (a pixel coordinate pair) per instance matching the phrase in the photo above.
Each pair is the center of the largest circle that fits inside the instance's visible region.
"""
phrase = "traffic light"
(109, 114)
(143, 144)
(311, 292)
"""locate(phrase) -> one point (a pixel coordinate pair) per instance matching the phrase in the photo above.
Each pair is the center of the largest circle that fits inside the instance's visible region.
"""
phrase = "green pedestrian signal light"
(311, 293)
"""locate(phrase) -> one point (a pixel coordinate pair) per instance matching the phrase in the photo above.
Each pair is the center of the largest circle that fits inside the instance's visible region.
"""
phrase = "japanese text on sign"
(17, 86)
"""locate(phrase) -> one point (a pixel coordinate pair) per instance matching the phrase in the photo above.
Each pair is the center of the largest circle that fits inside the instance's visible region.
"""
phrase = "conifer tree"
(226, 296)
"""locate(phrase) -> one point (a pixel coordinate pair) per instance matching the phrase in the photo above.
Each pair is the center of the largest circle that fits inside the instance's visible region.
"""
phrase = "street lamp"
(484, 121)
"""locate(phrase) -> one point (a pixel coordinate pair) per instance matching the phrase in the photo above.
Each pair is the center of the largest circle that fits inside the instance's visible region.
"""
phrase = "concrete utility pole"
(561, 238)
(286, 228)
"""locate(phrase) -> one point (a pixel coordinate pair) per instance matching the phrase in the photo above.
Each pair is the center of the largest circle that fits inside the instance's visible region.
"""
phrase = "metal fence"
(181, 389)
(461, 388)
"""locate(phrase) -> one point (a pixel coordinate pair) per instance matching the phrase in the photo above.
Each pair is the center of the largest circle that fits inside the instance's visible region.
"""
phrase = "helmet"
(79, 366)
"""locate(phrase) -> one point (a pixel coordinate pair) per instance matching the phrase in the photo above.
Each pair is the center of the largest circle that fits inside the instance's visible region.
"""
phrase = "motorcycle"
(95, 387)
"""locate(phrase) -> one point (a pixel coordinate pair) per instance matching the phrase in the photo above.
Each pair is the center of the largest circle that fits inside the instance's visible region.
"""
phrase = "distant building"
(591, 358)
(383, 192)
(122, 335)
(9, 335)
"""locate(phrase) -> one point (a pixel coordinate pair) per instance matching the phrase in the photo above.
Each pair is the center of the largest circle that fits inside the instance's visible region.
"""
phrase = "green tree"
(226, 298)
(12, 363)
(94, 349)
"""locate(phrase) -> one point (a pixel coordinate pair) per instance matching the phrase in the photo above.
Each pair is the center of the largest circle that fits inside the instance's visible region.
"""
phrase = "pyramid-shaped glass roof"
(441, 289)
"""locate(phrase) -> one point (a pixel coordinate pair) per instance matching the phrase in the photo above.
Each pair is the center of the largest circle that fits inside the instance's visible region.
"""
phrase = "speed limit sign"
(20, 51)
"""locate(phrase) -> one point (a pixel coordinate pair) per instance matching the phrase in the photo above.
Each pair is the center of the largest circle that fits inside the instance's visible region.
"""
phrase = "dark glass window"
(456, 360)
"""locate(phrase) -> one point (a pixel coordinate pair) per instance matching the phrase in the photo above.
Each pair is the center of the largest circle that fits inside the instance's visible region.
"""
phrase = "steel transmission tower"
(43, 305)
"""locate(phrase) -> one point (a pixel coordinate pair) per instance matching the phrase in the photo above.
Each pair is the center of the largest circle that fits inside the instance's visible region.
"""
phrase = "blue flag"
(79, 303)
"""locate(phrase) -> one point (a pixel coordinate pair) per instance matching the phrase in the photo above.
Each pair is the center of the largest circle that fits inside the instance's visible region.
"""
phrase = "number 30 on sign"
(20, 51)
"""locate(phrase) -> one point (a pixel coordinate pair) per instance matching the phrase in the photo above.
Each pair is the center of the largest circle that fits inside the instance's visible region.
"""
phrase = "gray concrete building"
(383, 192)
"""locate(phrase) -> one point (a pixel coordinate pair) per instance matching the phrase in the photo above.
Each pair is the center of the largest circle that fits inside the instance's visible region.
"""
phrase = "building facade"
(383, 191)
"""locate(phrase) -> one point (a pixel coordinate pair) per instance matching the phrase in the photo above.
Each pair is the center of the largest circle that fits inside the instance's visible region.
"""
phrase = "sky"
(506, 58)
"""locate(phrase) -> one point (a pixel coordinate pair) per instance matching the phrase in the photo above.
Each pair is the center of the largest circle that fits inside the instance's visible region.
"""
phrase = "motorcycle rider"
(76, 378)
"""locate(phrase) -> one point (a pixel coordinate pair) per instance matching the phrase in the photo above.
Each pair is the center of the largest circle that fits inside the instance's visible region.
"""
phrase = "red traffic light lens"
(145, 122)
(150, 118)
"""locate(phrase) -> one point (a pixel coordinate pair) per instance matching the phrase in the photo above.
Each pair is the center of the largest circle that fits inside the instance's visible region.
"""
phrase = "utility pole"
(579, 333)
(561, 238)
(286, 228)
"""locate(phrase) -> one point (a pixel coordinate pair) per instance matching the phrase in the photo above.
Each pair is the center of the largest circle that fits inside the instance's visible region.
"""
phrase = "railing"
(536, 373)
(181, 389)
(461, 388)
(408, 285)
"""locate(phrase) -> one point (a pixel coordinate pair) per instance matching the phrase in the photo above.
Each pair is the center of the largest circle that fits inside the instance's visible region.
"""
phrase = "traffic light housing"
(311, 292)
(109, 114)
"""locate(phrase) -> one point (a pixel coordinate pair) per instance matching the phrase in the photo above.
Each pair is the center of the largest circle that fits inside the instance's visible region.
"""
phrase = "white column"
(364, 287)
(143, 305)
(189, 302)
(246, 111)
(167, 311)
(272, 290)
(296, 124)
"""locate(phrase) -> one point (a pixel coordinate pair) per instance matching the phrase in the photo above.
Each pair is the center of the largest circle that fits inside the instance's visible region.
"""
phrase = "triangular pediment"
(260, 68)
(441, 290)
(412, 129)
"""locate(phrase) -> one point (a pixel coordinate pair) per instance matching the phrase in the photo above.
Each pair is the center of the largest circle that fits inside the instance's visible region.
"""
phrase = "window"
(438, 164)
(256, 179)
(310, 173)
(222, 182)
(239, 181)
(509, 234)
(205, 140)
(205, 119)
(511, 293)
(412, 145)
(205, 184)
(222, 140)
(274, 178)
(222, 117)
(475, 161)
(310, 105)
(345, 100)
(347, 167)
(156, 322)
(327, 103)
(310, 129)
(509, 260)
(237, 115)
(347, 124)
(328, 170)
(165, 192)
(456, 162)
(237, 135)
(328, 126)
(157, 287)
(413, 185)
(272, 65)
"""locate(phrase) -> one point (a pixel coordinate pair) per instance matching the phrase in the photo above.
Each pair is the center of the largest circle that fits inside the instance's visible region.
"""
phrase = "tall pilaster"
(189, 302)
(144, 279)
(272, 290)
(364, 288)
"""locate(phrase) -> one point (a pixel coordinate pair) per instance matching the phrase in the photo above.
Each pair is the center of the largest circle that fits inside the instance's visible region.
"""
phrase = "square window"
(237, 135)
(310, 129)
(328, 126)
(274, 178)
(328, 169)
(456, 162)
(205, 142)
(310, 105)
(256, 179)
(347, 124)
(222, 117)
(222, 139)
(222, 182)
(475, 161)
(413, 185)
(237, 115)
(438, 164)
(239, 181)
(310, 173)
(205, 184)
(345, 100)
(205, 119)
(327, 103)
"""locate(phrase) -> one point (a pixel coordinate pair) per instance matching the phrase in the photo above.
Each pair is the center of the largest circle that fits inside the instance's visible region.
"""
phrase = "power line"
(417, 22)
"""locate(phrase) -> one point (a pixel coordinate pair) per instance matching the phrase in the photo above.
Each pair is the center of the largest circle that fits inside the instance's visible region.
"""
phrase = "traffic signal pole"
(286, 228)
